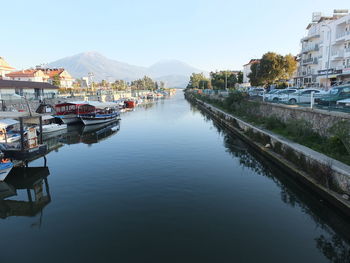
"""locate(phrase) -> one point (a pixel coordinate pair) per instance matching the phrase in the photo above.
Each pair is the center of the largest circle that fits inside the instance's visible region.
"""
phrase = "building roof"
(252, 61)
(22, 73)
(17, 84)
(4, 65)
(52, 72)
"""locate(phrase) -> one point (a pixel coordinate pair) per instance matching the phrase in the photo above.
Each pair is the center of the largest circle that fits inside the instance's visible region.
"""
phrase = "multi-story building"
(28, 75)
(62, 75)
(5, 68)
(39, 74)
(324, 56)
(247, 71)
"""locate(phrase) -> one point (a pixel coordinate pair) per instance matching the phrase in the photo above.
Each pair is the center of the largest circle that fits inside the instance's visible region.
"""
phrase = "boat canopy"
(4, 123)
(47, 117)
(103, 105)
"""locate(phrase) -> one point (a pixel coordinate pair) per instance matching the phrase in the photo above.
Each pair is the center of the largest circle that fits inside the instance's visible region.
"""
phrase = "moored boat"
(70, 112)
(104, 112)
(49, 125)
(9, 131)
(5, 167)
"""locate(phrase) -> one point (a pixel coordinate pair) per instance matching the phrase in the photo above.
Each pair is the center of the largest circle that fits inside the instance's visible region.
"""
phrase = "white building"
(5, 68)
(325, 51)
(247, 71)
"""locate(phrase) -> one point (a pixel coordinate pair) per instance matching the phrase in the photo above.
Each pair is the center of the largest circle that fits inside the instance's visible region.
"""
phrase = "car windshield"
(334, 91)
(273, 91)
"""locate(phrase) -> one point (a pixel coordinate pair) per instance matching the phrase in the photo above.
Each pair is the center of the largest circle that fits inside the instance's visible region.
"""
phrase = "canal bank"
(325, 176)
(170, 186)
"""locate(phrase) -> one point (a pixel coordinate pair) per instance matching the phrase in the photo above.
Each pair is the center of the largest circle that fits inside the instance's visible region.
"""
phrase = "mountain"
(173, 72)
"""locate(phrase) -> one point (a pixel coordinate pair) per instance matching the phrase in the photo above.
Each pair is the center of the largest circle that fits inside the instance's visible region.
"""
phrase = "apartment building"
(39, 74)
(5, 68)
(247, 71)
(325, 51)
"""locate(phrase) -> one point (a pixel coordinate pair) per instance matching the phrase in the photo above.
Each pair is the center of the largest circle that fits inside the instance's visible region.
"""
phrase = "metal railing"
(318, 101)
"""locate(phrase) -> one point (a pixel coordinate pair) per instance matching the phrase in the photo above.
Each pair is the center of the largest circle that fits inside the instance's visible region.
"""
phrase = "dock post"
(41, 129)
(21, 132)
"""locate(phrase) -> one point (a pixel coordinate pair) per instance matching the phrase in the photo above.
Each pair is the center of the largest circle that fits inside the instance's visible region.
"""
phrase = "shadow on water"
(335, 247)
(29, 191)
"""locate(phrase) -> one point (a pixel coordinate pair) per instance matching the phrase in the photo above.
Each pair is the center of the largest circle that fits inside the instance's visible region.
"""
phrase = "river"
(168, 186)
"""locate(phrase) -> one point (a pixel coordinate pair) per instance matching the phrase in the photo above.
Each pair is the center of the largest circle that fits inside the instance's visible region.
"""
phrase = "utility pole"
(329, 52)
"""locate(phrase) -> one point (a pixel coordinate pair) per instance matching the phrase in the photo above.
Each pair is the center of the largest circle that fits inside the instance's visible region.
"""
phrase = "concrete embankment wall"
(326, 176)
(320, 120)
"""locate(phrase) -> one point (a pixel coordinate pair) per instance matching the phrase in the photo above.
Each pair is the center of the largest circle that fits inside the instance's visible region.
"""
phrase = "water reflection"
(90, 134)
(33, 182)
(335, 244)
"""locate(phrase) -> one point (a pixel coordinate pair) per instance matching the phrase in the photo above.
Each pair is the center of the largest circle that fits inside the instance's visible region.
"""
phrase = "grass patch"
(298, 131)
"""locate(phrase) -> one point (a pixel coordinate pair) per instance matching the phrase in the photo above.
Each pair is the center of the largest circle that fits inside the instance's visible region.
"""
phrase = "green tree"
(254, 75)
(56, 81)
(272, 68)
(220, 79)
(197, 80)
(240, 77)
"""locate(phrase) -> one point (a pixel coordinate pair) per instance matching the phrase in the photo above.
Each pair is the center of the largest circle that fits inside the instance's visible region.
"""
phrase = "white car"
(302, 96)
(275, 94)
(256, 92)
(344, 103)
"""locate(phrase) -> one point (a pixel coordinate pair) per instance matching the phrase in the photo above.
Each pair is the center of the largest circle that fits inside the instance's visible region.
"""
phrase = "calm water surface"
(169, 186)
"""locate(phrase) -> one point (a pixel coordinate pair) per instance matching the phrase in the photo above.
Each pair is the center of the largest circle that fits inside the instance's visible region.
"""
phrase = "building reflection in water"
(33, 181)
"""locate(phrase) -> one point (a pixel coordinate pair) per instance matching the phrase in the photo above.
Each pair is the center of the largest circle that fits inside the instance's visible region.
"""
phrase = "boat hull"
(5, 169)
(53, 128)
(68, 119)
(91, 120)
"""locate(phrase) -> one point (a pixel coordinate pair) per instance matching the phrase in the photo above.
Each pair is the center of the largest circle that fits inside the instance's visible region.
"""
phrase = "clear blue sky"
(221, 34)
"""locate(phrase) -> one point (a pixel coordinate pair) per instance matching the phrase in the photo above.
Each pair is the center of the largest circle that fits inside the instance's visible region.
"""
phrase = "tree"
(272, 68)
(221, 78)
(198, 81)
(254, 75)
(56, 80)
(290, 66)
(240, 77)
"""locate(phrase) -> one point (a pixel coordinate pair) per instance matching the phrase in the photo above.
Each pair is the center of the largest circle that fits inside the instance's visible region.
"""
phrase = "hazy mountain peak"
(174, 72)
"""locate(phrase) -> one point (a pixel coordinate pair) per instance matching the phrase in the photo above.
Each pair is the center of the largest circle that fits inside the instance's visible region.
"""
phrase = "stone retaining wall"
(320, 120)
(330, 178)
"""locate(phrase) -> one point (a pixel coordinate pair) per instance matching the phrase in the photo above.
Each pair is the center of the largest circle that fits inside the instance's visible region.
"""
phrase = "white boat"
(99, 118)
(69, 112)
(49, 125)
(104, 112)
(9, 131)
(5, 169)
(68, 119)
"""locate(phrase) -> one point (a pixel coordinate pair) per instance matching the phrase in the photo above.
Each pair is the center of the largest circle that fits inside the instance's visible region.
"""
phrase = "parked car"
(256, 92)
(345, 103)
(302, 96)
(274, 96)
(335, 94)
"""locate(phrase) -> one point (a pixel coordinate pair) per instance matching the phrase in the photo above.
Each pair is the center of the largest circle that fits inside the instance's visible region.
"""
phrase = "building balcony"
(342, 36)
(310, 36)
(310, 48)
(310, 61)
(347, 52)
(337, 54)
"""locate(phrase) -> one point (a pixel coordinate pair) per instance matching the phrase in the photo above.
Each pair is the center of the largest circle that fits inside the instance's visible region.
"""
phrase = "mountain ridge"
(174, 73)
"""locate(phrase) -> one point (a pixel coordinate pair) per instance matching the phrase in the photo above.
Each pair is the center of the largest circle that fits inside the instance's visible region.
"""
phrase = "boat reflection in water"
(90, 134)
(33, 180)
